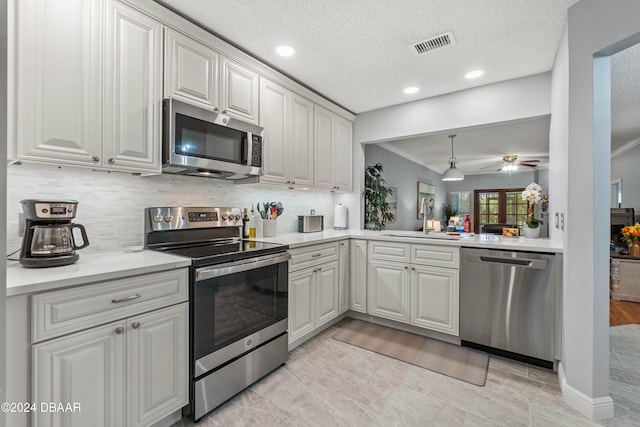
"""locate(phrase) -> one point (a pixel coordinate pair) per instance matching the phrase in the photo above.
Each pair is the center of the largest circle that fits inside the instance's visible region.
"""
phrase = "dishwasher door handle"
(538, 264)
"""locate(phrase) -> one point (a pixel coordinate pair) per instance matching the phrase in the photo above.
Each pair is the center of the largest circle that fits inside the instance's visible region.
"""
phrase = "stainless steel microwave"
(204, 143)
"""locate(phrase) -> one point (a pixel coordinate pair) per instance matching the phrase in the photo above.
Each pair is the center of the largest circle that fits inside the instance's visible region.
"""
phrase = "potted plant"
(531, 195)
(449, 210)
(376, 208)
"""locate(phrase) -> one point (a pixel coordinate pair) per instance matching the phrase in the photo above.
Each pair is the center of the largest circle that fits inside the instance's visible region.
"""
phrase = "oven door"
(237, 307)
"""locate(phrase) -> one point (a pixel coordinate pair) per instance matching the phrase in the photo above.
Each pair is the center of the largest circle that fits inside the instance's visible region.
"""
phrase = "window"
(461, 200)
(501, 206)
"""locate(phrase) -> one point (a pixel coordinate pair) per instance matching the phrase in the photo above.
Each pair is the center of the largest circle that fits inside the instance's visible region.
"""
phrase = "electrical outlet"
(557, 220)
(561, 221)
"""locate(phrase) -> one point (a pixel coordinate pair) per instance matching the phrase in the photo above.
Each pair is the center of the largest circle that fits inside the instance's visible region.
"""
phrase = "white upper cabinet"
(333, 151)
(287, 120)
(58, 81)
(240, 88)
(191, 71)
(133, 90)
(88, 85)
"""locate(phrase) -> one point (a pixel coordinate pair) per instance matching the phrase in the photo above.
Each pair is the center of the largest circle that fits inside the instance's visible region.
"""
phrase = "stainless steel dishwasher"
(507, 303)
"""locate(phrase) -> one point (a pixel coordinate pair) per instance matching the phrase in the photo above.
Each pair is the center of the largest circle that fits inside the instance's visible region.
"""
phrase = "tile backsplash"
(112, 204)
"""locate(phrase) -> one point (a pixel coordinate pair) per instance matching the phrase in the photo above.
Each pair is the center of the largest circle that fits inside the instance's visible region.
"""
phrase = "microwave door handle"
(205, 273)
(248, 148)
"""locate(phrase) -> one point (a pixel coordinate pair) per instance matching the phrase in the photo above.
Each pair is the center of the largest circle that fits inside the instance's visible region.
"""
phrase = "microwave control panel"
(256, 151)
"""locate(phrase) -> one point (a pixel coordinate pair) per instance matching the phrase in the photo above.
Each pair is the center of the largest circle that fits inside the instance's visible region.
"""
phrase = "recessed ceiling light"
(410, 90)
(285, 50)
(473, 74)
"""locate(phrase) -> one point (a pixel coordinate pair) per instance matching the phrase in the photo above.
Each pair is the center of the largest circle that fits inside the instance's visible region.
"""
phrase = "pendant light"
(452, 174)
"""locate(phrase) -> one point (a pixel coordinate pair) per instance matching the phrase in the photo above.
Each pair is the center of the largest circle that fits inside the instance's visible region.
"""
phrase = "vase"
(634, 250)
(269, 228)
(531, 233)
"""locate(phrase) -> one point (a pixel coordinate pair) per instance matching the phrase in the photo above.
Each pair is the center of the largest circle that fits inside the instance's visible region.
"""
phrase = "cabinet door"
(274, 118)
(191, 71)
(435, 298)
(301, 303)
(358, 272)
(157, 369)
(301, 161)
(387, 290)
(327, 294)
(58, 81)
(240, 87)
(343, 280)
(342, 152)
(85, 368)
(323, 159)
(133, 90)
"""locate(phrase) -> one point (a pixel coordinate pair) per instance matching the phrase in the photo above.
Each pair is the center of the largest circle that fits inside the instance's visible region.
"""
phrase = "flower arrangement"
(531, 195)
(631, 233)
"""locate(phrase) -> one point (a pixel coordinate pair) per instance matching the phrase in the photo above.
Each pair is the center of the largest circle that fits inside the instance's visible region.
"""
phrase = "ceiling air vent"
(434, 43)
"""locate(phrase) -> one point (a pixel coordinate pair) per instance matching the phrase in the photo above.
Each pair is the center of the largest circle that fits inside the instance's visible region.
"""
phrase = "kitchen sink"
(420, 235)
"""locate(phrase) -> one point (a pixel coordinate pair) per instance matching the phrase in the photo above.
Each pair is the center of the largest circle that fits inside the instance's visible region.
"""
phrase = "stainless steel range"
(238, 299)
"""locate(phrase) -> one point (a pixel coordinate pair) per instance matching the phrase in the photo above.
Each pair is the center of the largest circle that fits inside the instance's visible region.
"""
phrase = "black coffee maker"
(48, 234)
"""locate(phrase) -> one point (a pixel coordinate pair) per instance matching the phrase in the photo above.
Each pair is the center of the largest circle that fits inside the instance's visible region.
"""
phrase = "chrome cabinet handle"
(413, 268)
(111, 160)
(316, 255)
(119, 330)
(406, 267)
(215, 109)
(96, 158)
(135, 325)
(132, 297)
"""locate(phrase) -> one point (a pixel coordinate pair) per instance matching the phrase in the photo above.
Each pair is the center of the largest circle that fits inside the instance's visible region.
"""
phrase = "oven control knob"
(168, 218)
(157, 218)
(225, 216)
(238, 217)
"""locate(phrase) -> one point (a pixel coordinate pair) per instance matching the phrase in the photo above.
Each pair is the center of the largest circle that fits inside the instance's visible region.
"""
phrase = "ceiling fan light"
(509, 167)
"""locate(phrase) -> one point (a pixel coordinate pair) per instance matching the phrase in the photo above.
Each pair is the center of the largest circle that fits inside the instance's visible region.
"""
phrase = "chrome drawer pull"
(316, 255)
(132, 297)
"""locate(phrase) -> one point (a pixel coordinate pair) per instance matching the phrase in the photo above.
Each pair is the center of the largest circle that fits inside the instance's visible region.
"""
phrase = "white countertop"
(488, 241)
(90, 268)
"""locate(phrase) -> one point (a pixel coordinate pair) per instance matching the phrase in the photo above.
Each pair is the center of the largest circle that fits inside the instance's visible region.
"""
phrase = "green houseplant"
(376, 208)
(449, 210)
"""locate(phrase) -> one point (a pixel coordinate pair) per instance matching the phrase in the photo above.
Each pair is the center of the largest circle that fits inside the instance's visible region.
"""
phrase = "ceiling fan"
(510, 163)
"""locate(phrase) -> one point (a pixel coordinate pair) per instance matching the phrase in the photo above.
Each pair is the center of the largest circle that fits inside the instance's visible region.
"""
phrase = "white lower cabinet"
(343, 271)
(131, 372)
(115, 353)
(388, 290)
(358, 275)
(314, 288)
(421, 295)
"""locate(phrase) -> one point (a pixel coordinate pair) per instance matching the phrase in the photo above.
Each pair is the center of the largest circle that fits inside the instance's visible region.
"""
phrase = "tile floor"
(330, 383)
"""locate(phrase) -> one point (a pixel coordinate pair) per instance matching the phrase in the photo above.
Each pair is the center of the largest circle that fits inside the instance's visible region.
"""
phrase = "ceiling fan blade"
(530, 161)
(487, 167)
(526, 164)
(499, 169)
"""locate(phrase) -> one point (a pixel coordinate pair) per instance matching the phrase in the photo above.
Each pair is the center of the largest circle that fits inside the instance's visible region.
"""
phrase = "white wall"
(404, 174)
(626, 166)
(596, 28)
(112, 204)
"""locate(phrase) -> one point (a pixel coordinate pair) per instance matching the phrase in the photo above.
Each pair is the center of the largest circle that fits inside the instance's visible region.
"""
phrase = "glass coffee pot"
(55, 240)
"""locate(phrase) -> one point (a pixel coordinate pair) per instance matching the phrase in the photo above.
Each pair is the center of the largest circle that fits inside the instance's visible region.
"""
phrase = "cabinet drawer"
(436, 255)
(61, 312)
(312, 255)
(389, 251)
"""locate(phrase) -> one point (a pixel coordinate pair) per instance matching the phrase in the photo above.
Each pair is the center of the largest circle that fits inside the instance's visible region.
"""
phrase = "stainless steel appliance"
(48, 239)
(238, 299)
(507, 303)
(209, 144)
(310, 223)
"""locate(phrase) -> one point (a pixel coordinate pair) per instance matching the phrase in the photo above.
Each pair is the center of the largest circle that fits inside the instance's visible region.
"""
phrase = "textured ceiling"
(357, 53)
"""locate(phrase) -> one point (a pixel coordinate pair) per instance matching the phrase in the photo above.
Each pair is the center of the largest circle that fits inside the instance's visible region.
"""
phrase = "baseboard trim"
(599, 408)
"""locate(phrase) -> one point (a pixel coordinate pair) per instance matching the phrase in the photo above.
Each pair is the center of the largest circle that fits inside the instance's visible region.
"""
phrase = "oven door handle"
(205, 273)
